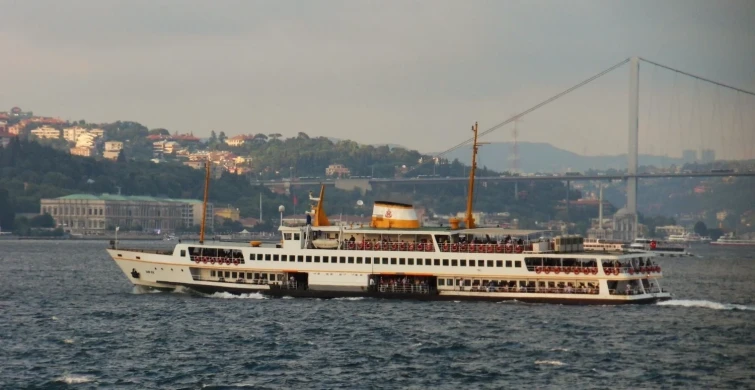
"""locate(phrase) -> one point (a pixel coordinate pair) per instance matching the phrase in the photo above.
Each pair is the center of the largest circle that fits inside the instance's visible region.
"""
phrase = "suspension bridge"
(690, 117)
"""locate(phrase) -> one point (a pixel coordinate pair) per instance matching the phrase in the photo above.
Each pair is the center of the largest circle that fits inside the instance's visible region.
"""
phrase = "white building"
(82, 151)
(236, 141)
(46, 132)
(113, 146)
(86, 140)
(72, 134)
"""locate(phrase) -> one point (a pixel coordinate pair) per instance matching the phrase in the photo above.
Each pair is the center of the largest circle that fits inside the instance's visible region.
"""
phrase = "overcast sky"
(416, 73)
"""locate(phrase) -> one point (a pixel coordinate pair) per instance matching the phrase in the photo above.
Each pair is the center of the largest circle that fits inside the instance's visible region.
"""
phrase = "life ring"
(631, 271)
(567, 270)
(360, 246)
(519, 249)
(235, 261)
(653, 244)
(212, 260)
(509, 248)
(377, 246)
(463, 247)
(491, 248)
(204, 260)
(368, 245)
(576, 270)
(538, 269)
(227, 261)
(548, 270)
(394, 246)
(499, 248)
(411, 246)
(351, 245)
(454, 247)
(594, 271)
(428, 247)
(402, 246)
(557, 270)
(445, 247)
(197, 259)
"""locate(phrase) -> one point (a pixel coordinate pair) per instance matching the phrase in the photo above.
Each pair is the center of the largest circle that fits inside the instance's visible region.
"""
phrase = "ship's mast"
(469, 219)
(204, 202)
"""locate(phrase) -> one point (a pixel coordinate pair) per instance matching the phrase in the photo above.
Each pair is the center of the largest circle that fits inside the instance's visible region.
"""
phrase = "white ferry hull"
(166, 272)
(724, 243)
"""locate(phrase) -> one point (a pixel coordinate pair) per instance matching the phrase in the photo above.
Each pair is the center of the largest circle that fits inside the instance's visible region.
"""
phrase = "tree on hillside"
(213, 137)
(302, 135)
(164, 132)
(222, 137)
(259, 138)
(43, 221)
(6, 211)
(275, 136)
(701, 229)
(121, 157)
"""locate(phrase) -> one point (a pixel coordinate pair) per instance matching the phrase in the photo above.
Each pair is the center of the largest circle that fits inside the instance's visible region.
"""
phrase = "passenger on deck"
(352, 239)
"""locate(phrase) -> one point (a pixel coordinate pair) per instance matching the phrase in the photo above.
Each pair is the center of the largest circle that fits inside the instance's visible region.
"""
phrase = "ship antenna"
(204, 202)
(469, 219)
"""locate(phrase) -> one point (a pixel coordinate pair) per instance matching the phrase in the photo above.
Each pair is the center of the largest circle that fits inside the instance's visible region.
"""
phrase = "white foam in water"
(68, 341)
(560, 349)
(704, 304)
(144, 290)
(549, 362)
(349, 299)
(74, 379)
(226, 295)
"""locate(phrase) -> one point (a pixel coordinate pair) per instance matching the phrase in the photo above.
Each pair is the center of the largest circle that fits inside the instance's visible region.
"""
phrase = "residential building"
(5, 138)
(3, 126)
(98, 132)
(83, 151)
(670, 230)
(237, 140)
(95, 214)
(86, 140)
(72, 134)
(46, 132)
(171, 147)
(227, 213)
(113, 146)
(707, 156)
(337, 170)
(689, 156)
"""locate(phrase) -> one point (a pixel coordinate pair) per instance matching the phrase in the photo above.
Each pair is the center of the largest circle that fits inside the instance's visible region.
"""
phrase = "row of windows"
(248, 275)
(386, 261)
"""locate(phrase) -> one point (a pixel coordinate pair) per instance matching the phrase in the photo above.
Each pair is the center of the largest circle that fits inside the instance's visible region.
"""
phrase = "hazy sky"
(416, 73)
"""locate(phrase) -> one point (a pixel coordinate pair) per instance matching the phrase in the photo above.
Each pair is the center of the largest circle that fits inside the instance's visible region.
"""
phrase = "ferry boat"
(731, 240)
(687, 237)
(647, 245)
(396, 258)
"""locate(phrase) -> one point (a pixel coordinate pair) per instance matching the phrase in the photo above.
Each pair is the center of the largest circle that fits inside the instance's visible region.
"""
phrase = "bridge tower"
(632, 153)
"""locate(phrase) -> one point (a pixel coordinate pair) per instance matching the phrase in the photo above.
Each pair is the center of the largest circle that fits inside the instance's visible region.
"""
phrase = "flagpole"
(116, 236)
(260, 207)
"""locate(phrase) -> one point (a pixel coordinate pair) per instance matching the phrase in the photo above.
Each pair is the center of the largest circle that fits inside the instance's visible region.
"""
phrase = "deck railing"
(404, 288)
(539, 290)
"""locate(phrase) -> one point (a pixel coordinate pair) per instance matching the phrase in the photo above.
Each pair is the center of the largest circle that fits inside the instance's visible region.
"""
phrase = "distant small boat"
(730, 240)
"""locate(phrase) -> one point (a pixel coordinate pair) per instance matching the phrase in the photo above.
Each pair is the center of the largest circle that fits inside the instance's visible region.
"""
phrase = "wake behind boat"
(394, 257)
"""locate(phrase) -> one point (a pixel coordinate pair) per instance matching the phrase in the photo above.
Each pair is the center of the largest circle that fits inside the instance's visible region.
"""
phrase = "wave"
(144, 290)
(226, 295)
(550, 362)
(349, 299)
(75, 379)
(705, 304)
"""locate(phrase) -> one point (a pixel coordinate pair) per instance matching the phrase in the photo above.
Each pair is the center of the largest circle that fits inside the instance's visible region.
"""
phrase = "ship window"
(385, 260)
(251, 256)
(317, 259)
(256, 275)
(267, 257)
(441, 282)
(351, 260)
(249, 275)
(518, 264)
(454, 263)
(463, 263)
(227, 274)
(284, 257)
(300, 259)
(234, 275)
(508, 263)
(296, 236)
(359, 260)
(467, 282)
(480, 263)
(309, 259)
(342, 260)
(445, 262)
(410, 261)
(183, 252)
(490, 263)
(367, 260)
(401, 261)
(275, 257)
(436, 262)
(325, 259)
(212, 273)
(393, 261)
(499, 263)
(287, 236)
(259, 256)
(419, 261)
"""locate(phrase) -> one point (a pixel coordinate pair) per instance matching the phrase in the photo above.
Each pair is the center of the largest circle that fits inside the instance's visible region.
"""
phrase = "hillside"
(544, 157)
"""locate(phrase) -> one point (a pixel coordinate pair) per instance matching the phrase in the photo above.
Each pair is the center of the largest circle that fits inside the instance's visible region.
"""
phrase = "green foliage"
(6, 211)
(42, 221)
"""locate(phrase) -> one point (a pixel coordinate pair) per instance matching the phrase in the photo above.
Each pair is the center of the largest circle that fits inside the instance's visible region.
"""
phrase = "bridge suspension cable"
(527, 111)
(697, 77)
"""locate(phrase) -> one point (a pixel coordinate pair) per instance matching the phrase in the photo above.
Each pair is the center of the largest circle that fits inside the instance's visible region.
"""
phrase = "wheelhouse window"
(287, 236)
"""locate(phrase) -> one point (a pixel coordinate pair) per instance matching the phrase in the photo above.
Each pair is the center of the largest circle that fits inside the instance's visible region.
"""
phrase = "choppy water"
(70, 319)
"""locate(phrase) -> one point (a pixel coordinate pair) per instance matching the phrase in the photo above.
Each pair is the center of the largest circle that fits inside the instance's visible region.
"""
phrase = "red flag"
(295, 201)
